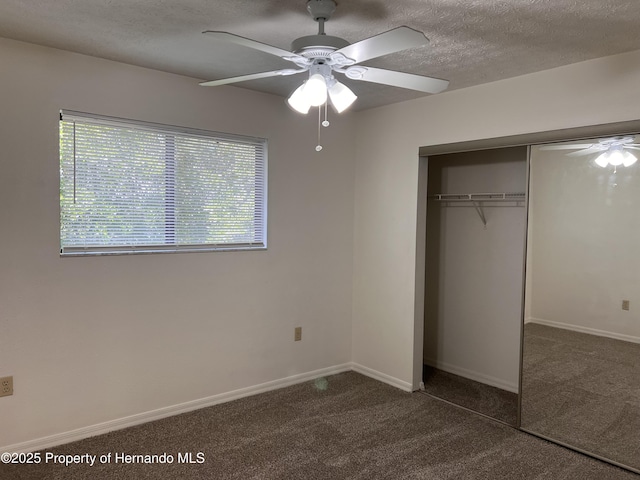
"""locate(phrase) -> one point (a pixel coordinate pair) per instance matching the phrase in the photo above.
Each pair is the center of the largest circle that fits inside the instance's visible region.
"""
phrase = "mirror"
(581, 338)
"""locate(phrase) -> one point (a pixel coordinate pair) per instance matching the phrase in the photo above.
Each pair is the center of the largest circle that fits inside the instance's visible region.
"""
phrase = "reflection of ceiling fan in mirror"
(613, 151)
(323, 55)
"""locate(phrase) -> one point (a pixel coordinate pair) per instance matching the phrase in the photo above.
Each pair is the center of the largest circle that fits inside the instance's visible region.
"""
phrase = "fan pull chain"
(326, 120)
(319, 147)
(324, 123)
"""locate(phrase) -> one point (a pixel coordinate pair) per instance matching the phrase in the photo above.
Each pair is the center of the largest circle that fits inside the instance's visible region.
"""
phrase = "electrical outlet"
(6, 386)
(298, 334)
(625, 304)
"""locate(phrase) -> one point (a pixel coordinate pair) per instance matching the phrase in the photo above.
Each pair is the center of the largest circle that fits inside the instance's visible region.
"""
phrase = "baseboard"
(130, 421)
(382, 377)
(133, 420)
(473, 375)
(580, 329)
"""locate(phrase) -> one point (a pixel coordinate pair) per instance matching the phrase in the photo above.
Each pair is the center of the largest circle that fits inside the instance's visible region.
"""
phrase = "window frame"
(260, 216)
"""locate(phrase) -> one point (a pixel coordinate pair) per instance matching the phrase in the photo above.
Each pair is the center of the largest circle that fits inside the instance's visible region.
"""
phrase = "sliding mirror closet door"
(581, 350)
(474, 279)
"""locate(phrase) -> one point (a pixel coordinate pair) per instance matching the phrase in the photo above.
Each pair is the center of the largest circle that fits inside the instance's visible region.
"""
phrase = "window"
(129, 187)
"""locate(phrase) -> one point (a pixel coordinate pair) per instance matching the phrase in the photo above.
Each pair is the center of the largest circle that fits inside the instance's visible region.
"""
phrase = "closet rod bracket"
(480, 212)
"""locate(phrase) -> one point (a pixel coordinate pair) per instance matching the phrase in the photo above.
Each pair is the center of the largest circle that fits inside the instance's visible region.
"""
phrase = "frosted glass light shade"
(603, 159)
(298, 100)
(615, 158)
(341, 96)
(315, 90)
(628, 159)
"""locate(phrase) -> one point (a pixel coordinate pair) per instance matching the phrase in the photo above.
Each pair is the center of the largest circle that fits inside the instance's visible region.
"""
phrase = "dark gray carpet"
(583, 390)
(491, 401)
(349, 427)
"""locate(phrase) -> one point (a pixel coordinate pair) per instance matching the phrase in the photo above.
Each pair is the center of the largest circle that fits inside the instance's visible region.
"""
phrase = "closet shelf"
(477, 199)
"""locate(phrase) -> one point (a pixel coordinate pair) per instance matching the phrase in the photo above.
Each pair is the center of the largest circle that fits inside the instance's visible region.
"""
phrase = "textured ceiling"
(472, 41)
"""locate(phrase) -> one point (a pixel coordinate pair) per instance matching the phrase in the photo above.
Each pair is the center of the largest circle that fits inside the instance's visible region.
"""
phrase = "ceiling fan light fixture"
(616, 157)
(315, 90)
(341, 96)
(299, 101)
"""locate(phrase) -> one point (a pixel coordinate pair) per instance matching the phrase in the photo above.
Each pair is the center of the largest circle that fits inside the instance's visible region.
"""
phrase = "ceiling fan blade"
(575, 146)
(247, 42)
(392, 41)
(588, 151)
(245, 78)
(397, 79)
(633, 147)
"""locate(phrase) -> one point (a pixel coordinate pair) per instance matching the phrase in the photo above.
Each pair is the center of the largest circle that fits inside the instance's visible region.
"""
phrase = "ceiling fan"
(613, 151)
(323, 55)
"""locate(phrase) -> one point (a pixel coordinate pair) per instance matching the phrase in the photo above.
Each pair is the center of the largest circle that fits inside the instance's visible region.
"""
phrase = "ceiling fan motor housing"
(313, 46)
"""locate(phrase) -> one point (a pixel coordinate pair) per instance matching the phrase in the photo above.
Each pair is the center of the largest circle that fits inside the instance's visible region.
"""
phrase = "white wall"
(583, 253)
(90, 340)
(474, 273)
(384, 303)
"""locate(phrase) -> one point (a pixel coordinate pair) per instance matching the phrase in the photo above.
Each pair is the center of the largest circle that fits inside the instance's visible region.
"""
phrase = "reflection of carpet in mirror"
(583, 390)
(491, 401)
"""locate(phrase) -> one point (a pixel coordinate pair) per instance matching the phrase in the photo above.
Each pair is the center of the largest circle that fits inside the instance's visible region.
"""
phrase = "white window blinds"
(130, 187)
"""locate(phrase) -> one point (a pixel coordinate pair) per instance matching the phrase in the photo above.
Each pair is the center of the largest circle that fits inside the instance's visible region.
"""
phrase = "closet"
(475, 248)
